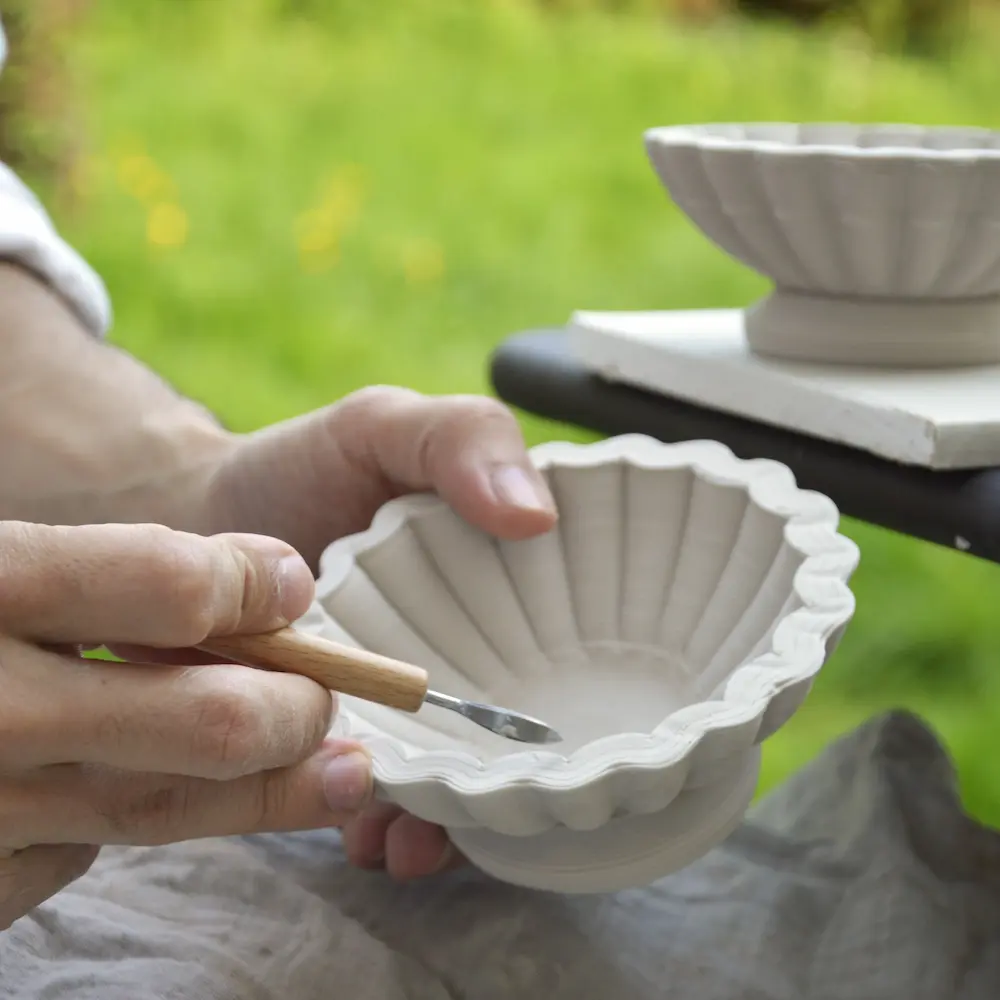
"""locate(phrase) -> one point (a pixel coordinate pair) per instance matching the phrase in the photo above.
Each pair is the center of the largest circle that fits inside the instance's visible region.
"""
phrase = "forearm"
(89, 434)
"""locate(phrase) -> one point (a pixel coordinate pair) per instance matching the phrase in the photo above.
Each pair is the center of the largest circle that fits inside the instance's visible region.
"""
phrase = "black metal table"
(536, 372)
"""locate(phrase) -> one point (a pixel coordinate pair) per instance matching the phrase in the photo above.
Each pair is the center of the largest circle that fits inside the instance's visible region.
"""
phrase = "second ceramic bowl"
(674, 619)
(883, 240)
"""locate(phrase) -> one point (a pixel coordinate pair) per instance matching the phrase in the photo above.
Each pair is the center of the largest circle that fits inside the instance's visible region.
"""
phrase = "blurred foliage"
(39, 130)
(16, 118)
(290, 199)
(915, 26)
(924, 27)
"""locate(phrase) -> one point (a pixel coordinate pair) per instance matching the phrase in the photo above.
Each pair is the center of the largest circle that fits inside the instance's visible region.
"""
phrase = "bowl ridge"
(938, 248)
(688, 179)
(800, 208)
(768, 604)
(983, 237)
(739, 588)
(412, 583)
(375, 620)
(535, 568)
(614, 488)
(657, 511)
(780, 242)
(591, 531)
(463, 556)
(955, 268)
(711, 527)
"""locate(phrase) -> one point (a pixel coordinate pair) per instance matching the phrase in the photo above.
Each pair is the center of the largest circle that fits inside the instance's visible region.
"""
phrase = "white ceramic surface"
(946, 418)
(674, 619)
(861, 227)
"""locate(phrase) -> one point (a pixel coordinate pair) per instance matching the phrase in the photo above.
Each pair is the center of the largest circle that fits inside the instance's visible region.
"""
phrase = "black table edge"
(535, 371)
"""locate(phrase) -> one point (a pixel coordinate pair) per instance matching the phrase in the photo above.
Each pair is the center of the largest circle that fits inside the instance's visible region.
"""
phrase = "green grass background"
(360, 193)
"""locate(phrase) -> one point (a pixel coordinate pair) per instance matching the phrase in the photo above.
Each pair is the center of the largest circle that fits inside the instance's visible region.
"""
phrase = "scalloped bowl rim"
(698, 136)
(796, 652)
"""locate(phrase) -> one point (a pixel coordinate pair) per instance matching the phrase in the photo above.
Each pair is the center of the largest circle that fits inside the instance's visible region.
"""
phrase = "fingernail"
(347, 782)
(289, 578)
(519, 488)
(296, 587)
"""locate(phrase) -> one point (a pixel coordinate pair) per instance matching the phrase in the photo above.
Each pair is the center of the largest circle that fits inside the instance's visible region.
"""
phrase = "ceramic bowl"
(674, 619)
(883, 240)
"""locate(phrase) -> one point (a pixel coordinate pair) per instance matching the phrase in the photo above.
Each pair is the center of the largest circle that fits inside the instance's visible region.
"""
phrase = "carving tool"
(369, 676)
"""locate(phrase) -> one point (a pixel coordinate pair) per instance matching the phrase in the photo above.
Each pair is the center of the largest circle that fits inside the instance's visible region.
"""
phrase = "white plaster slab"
(939, 419)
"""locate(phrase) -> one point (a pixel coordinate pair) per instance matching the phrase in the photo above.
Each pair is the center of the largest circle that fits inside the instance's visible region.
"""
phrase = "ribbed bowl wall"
(876, 211)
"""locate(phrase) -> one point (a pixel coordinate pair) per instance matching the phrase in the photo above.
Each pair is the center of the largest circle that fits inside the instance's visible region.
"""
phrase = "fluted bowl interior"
(680, 586)
(870, 211)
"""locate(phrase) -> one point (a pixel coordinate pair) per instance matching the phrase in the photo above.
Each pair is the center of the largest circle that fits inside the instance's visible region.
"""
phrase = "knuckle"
(478, 410)
(375, 400)
(373, 411)
(230, 730)
(181, 571)
(459, 422)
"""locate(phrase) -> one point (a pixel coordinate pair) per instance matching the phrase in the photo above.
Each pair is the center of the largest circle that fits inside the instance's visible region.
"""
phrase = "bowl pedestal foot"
(894, 333)
(627, 852)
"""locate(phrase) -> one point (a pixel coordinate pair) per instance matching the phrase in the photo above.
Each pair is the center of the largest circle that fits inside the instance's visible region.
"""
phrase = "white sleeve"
(28, 238)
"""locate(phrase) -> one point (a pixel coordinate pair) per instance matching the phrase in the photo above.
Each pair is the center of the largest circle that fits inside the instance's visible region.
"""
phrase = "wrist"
(90, 434)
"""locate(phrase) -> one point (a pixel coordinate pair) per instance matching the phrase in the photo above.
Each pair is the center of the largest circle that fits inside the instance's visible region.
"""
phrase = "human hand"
(91, 435)
(96, 752)
(324, 475)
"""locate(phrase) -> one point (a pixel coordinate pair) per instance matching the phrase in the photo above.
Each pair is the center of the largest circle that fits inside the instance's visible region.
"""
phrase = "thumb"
(145, 584)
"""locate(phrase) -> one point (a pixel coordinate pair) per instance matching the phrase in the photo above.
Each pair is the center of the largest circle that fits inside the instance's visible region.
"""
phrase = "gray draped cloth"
(860, 878)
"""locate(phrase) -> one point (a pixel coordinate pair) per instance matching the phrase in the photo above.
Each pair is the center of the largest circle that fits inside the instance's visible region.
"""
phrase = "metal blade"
(501, 721)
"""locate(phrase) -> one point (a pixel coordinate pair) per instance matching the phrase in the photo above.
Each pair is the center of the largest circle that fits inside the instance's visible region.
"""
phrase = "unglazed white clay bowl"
(883, 240)
(674, 619)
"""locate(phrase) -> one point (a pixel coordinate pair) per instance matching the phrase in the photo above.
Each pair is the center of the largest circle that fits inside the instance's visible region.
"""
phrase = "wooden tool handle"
(340, 668)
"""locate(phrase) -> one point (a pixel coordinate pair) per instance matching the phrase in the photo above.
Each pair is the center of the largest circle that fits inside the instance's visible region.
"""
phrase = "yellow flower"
(422, 261)
(320, 229)
(167, 225)
(144, 180)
